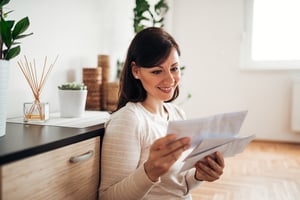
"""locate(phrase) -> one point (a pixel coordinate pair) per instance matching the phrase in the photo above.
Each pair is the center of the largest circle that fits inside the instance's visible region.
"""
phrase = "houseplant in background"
(147, 16)
(72, 99)
(10, 32)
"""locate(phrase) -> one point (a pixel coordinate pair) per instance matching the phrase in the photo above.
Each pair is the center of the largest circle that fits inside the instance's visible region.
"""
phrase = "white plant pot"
(72, 102)
(4, 77)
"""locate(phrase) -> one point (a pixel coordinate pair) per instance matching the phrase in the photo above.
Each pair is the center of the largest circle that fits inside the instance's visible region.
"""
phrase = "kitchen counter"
(23, 140)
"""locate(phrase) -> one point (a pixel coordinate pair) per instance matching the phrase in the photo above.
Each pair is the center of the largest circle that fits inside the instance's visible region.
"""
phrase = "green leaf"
(161, 20)
(5, 32)
(9, 32)
(139, 28)
(143, 18)
(6, 14)
(156, 17)
(10, 24)
(3, 2)
(161, 7)
(24, 35)
(73, 86)
(15, 43)
(21, 27)
(141, 6)
(13, 52)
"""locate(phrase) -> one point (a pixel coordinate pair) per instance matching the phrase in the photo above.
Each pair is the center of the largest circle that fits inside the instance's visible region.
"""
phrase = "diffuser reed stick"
(30, 72)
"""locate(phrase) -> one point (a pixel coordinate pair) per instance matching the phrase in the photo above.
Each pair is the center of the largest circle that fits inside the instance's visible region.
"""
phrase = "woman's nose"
(169, 78)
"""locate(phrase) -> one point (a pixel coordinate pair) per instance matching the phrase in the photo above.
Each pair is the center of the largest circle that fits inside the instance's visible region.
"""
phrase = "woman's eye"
(174, 69)
(156, 72)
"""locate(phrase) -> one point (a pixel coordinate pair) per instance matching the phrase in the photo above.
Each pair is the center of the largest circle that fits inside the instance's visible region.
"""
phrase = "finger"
(220, 159)
(206, 169)
(174, 150)
(201, 175)
(162, 142)
(177, 146)
(212, 163)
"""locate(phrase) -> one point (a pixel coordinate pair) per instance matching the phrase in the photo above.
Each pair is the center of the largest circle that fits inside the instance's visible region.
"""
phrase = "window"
(271, 37)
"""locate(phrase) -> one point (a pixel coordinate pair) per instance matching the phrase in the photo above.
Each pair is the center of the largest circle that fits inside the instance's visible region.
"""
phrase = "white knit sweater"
(128, 136)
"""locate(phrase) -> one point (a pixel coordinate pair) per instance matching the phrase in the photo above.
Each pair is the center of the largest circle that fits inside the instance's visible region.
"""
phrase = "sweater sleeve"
(122, 174)
(190, 179)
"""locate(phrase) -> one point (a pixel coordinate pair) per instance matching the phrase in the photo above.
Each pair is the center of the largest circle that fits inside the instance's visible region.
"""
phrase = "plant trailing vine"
(10, 32)
(144, 13)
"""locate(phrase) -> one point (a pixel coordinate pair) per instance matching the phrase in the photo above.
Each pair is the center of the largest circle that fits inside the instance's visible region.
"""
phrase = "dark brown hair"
(150, 47)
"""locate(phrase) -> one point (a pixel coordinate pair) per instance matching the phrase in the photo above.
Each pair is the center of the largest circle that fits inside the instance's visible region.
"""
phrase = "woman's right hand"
(164, 152)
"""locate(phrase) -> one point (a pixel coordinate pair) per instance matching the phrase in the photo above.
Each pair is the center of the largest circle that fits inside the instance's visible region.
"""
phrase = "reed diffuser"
(36, 110)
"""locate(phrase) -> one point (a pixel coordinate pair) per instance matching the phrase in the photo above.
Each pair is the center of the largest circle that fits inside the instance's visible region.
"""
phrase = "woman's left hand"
(211, 169)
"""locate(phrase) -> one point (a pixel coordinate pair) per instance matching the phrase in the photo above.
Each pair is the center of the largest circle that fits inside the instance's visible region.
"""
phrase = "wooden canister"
(104, 63)
(92, 78)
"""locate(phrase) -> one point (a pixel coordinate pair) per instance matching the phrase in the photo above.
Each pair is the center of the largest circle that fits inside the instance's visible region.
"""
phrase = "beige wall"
(209, 34)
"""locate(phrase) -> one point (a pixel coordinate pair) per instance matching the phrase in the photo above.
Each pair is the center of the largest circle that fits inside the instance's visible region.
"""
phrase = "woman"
(139, 161)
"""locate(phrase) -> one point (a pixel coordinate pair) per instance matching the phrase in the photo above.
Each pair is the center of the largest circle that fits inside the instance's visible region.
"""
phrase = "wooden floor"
(264, 171)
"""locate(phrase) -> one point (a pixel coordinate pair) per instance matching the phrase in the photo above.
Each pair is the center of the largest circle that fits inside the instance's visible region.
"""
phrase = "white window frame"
(246, 61)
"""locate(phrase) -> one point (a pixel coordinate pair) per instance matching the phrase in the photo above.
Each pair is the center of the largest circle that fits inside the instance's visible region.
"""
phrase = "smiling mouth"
(166, 89)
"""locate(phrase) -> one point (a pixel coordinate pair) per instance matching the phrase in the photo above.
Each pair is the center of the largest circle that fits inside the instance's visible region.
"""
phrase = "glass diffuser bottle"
(36, 110)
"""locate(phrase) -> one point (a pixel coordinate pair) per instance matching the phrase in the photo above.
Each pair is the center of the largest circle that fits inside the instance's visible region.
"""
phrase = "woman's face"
(160, 81)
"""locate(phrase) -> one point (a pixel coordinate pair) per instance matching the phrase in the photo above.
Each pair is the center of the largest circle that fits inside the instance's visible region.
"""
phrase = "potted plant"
(10, 33)
(72, 99)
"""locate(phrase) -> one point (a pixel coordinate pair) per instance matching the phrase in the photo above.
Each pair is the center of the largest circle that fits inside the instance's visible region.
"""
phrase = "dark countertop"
(23, 140)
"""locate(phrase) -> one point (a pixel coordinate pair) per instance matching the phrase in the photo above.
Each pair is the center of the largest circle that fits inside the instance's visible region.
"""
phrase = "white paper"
(211, 134)
(231, 148)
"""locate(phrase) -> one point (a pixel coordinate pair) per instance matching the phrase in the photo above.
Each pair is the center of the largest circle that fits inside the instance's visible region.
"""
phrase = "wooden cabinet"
(70, 172)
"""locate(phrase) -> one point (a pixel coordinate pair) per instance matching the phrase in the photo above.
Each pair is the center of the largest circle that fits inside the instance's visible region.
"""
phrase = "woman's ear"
(135, 70)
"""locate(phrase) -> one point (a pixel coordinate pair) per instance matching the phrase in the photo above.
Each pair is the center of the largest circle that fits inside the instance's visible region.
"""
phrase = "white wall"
(77, 31)
(208, 32)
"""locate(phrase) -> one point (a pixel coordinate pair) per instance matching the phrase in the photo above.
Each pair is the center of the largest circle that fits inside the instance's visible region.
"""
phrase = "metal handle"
(85, 156)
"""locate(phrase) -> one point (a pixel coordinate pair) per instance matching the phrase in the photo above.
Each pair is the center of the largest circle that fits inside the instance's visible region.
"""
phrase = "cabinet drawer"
(52, 175)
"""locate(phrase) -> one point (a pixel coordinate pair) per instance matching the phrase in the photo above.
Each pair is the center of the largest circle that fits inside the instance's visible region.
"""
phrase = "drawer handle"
(86, 156)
